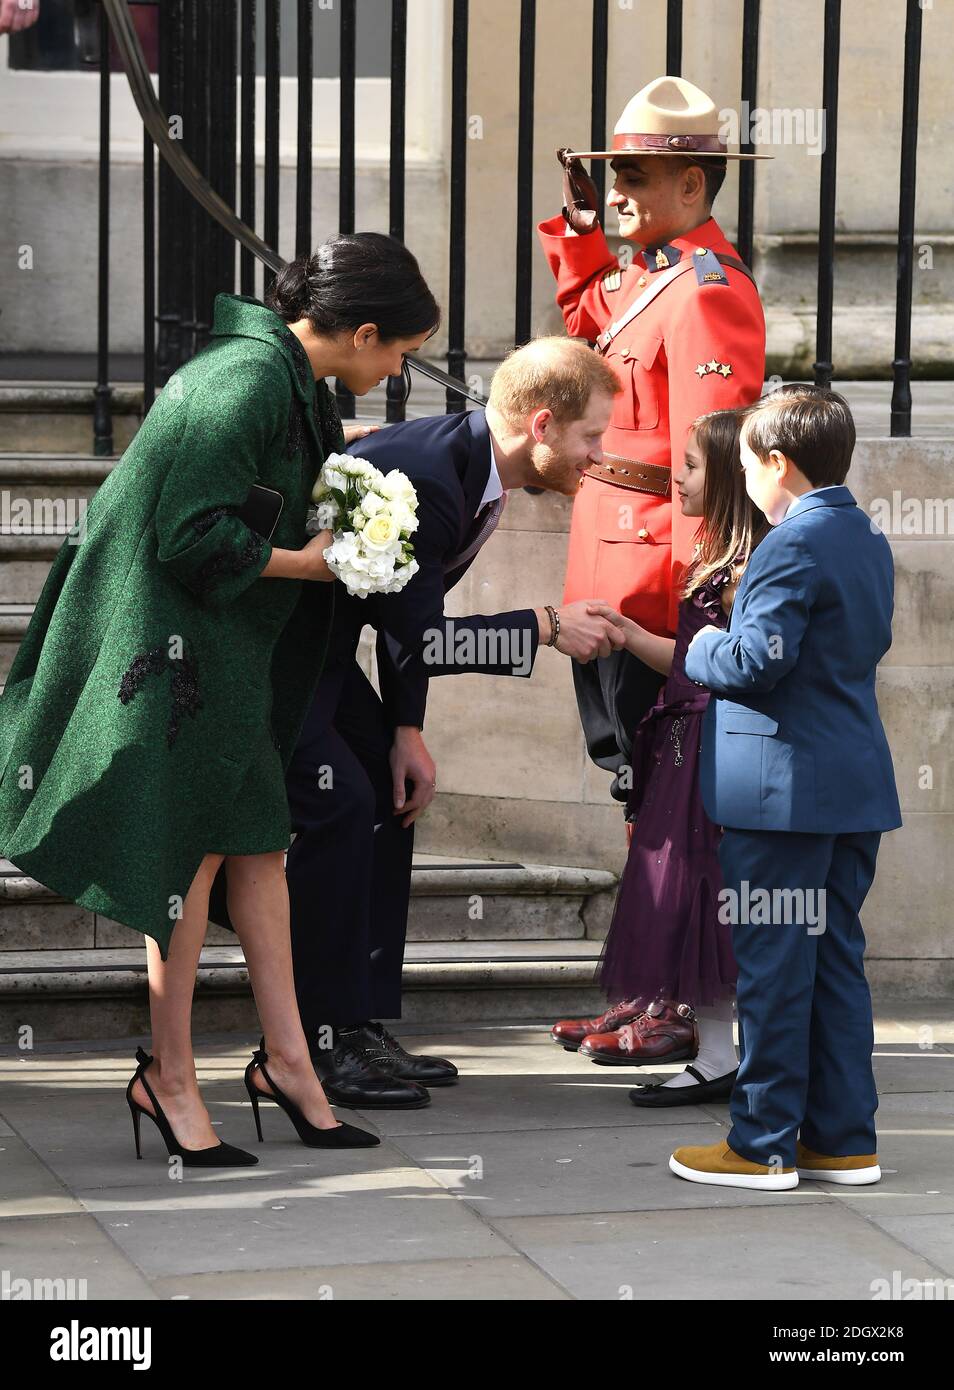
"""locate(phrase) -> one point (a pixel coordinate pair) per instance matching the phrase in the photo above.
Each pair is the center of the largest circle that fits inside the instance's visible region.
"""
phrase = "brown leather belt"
(623, 472)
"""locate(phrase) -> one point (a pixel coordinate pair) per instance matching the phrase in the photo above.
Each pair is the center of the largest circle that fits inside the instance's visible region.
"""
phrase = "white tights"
(717, 1055)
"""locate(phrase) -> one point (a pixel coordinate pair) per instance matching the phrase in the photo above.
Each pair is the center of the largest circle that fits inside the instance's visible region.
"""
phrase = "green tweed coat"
(156, 655)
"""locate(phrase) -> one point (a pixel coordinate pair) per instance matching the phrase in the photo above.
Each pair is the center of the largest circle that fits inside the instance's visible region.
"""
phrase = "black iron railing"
(901, 366)
(826, 205)
(204, 50)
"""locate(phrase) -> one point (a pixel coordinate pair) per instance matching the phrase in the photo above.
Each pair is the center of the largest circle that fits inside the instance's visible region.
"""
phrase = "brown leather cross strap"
(736, 264)
(656, 287)
(631, 473)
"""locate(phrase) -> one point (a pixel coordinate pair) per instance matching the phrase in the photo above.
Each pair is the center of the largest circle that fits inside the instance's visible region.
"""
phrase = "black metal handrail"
(157, 125)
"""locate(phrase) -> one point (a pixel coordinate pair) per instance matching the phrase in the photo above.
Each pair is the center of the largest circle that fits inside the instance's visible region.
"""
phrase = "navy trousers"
(349, 866)
(805, 1024)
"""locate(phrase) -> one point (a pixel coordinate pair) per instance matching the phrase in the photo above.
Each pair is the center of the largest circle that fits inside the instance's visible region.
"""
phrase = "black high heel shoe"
(342, 1137)
(215, 1156)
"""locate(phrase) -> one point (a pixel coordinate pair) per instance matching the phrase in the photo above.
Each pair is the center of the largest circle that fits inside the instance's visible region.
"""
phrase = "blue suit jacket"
(447, 458)
(794, 740)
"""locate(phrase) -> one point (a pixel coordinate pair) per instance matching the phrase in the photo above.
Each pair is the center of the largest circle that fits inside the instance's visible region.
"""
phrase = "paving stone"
(797, 1252)
(532, 1178)
(345, 1215)
(70, 1247)
(559, 1170)
(503, 1277)
(928, 1237)
(586, 1098)
(27, 1185)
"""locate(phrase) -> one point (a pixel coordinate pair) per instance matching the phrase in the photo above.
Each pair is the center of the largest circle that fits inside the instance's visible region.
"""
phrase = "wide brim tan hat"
(669, 116)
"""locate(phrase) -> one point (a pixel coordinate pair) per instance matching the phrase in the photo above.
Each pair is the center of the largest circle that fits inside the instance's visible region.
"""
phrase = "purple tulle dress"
(666, 940)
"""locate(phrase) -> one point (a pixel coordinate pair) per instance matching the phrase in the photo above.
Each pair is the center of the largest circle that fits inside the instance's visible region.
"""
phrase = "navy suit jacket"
(447, 458)
(794, 740)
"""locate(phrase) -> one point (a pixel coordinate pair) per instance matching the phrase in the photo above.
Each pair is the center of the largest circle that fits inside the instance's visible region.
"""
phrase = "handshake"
(587, 629)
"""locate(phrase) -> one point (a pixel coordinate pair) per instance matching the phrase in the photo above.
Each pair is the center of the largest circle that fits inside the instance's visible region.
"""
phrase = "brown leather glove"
(581, 199)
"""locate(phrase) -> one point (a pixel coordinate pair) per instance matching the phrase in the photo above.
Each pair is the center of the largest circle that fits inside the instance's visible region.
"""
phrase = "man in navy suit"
(361, 773)
(796, 767)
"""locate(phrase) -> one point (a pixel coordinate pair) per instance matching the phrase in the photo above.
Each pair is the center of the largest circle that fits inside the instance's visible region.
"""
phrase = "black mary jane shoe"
(659, 1094)
(341, 1137)
(384, 1051)
(215, 1156)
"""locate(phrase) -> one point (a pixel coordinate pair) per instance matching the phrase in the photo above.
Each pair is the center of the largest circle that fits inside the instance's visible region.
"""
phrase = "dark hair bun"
(364, 277)
(288, 294)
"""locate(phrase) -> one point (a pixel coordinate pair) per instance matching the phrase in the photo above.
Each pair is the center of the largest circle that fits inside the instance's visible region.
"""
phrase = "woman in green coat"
(173, 653)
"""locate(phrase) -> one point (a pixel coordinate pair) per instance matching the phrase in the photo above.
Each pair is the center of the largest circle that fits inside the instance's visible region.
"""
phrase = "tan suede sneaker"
(852, 1171)
(723, 1167)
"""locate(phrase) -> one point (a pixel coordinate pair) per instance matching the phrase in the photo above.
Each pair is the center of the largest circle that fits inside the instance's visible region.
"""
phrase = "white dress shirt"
(494, 488)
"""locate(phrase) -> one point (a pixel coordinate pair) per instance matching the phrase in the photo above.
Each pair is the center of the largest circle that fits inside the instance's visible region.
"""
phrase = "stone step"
(487, 940)
(57, 416)
(14, 621)
(24, 565)
(452, 900)
(59, 474)
(75, 994)
(42, 496)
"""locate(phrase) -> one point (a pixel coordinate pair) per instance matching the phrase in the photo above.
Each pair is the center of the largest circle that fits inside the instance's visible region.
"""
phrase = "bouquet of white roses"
(372, 515)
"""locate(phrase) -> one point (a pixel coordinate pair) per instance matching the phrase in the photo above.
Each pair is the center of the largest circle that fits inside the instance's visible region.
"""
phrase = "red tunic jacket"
(695, 347)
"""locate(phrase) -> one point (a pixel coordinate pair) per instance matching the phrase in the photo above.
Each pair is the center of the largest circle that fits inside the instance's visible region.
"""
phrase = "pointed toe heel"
(341, 1137)
(215, 1156)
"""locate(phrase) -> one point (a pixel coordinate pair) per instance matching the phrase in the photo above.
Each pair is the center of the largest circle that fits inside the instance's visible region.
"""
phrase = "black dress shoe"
(659, 1094)
(385, 1052)
(350, 1078)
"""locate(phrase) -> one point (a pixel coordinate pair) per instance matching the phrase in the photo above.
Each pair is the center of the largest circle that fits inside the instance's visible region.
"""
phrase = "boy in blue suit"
(796, 768)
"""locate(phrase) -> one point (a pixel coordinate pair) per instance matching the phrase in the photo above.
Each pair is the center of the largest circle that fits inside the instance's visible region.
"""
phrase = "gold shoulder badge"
(612, 280)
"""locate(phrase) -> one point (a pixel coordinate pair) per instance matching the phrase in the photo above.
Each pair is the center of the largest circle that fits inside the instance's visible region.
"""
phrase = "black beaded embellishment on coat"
(184, 685)
(296, 438)
(328, 419)
(185, 694)
(326, 415)
(229, 561)
(146, 664)
(302, 364)
(203, 524)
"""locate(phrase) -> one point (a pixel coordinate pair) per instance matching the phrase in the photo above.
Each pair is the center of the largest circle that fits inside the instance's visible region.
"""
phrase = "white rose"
(363, 473)
(372, 502)
(334, 478)
(404, 517)
(397, 487)
(339, 461)
(381, 532)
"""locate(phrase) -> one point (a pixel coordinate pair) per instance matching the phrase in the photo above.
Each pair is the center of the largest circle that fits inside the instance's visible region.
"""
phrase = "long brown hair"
(732, 525)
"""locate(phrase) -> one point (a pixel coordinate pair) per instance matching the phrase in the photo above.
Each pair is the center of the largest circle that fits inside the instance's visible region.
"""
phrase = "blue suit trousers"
(805, 1023)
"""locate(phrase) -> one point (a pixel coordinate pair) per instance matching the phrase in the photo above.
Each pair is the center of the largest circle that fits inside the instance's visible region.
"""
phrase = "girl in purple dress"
(666, 942)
